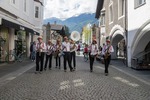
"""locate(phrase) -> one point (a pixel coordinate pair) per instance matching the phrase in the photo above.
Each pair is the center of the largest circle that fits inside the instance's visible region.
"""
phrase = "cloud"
(67, 8)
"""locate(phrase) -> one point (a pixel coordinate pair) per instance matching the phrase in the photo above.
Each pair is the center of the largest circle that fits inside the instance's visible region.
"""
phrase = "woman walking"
(58, 48)
(93, 53)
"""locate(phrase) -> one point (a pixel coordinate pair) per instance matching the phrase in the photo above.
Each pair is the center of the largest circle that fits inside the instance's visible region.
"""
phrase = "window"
(110, 13)
(121, 7)
(25, 5)
(36, 12)
(14, 1)
(139, 3)
(102, 18)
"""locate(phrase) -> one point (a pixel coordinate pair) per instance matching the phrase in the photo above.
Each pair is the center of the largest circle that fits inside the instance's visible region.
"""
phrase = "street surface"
(81, 84)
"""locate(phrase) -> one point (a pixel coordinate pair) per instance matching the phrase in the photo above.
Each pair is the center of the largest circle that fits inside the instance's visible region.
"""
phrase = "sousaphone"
(75, 36)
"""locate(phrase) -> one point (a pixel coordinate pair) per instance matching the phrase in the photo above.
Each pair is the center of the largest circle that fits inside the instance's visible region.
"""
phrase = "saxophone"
(107, 53)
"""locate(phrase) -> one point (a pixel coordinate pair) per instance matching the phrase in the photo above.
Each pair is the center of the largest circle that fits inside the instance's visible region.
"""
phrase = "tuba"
(75, 36)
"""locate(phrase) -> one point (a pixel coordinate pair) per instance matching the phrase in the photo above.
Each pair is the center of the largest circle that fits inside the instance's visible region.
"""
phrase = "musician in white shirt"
(93, 48)
(106, 51)
(40, 51)
(66, 50)
(49, 51)
(58, 48)
(73, 48)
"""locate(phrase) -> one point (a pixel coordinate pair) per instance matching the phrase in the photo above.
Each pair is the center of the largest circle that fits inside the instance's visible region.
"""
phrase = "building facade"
(127, 22)
(139, 34)
(20, 23)
(112, 24)
(53, 32)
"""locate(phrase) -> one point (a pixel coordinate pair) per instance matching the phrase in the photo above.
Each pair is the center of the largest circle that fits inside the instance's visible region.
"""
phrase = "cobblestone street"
(81, 84)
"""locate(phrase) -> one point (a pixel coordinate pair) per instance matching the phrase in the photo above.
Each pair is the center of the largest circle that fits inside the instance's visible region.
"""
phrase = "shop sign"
(22, 28)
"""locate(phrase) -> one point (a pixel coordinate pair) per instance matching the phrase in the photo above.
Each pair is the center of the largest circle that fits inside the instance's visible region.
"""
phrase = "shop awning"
(18, 26)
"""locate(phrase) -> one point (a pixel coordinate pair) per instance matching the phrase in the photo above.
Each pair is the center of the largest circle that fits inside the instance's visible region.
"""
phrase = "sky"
(63, 9)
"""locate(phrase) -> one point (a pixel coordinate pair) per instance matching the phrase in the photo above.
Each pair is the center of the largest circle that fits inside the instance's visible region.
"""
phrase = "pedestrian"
(58, 48)
(106, 51)
(85, 52)
(93, 53)
(73, 49)
(40, 51)
(49, 52)
(66, 50)
(33, 53)
(31, 49)
(78, 50)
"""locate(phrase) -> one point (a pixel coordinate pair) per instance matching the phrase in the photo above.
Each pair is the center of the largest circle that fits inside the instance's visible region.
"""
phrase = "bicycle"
(85, 57)
(12, 57)
(3, 54)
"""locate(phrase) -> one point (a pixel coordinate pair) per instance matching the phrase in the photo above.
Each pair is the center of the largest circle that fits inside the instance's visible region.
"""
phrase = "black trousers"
(67, 59)
(107, 62)
(92, 58)
(39, 60)
(73, 58)
(48, 59)
(58, 61)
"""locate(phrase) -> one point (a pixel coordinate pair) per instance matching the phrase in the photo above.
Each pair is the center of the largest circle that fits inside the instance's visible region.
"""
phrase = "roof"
(99, 8)
(56, 27)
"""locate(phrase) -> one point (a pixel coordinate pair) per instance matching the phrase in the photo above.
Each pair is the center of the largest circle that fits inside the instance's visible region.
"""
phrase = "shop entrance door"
(18, 47)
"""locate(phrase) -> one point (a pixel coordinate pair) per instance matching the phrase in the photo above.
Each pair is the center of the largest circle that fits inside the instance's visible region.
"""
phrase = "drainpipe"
(126, 30)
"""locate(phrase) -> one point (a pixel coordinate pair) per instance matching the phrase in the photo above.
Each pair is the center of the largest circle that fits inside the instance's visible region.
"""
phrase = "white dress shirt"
(93, 49)
(76, 47)
(42, 45)
(107, 48)
(49, 49)
(66, 46)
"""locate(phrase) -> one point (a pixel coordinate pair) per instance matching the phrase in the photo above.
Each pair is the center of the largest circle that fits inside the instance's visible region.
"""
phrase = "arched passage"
(118, 41)
(141, 46)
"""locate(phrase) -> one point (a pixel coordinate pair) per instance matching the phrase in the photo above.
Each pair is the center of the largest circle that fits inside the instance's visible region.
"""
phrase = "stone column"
(48, 32)
(28, 41)
(11, 40)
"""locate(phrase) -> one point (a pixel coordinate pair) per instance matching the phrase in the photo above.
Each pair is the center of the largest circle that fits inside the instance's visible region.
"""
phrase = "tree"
(87, 34)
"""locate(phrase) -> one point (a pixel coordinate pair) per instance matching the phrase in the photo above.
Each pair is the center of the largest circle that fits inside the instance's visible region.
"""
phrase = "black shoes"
(106, 74)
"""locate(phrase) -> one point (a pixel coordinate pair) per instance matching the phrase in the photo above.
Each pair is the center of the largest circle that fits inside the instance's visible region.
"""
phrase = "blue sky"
(67, 8)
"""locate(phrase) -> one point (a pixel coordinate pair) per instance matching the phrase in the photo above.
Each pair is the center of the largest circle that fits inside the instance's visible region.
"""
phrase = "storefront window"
(3, 43)
(20, 42)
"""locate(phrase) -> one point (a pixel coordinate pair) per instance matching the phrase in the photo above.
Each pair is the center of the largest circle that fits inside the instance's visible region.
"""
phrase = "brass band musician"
(73, 48)
(106, 51)
(49, 51)
(58, 48)
(66, 50)
(40, 51)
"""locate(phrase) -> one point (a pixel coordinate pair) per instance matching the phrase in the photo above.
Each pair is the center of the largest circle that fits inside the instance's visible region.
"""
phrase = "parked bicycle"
(13, 56)
(3, 54)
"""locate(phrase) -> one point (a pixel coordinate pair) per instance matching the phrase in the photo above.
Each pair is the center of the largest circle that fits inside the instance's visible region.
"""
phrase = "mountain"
(74, 23)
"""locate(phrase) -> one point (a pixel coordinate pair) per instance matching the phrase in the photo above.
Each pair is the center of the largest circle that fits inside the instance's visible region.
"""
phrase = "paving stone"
(56, 84)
